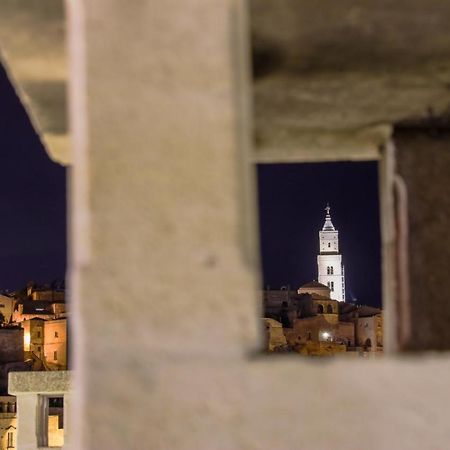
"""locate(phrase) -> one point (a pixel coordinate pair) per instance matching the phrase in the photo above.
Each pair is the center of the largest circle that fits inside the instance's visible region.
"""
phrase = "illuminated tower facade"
(329, 260)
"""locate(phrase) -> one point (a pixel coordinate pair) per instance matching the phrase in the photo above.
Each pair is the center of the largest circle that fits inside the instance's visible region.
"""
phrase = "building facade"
(55, 344)
(329, 260)
(45, 342)
(8, 422)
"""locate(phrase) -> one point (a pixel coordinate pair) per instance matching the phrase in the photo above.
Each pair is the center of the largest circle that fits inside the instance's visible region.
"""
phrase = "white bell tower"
(329, 260)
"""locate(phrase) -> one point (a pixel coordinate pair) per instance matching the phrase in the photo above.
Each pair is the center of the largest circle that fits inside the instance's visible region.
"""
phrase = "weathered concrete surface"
(423, 159)
(32, 44)
(39, 382)
(341, 65)
(29, 388)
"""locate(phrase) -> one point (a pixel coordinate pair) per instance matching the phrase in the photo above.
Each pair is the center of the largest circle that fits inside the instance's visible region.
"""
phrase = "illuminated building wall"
(55, 343)
(369, 332)
(329, 261)
(33, 337)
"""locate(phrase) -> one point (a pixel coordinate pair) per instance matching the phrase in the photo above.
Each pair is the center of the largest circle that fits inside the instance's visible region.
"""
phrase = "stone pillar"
(160, 218)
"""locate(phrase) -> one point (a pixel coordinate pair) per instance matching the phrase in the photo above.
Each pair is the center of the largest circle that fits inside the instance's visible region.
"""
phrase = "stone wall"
(11, 345)
(423, 160)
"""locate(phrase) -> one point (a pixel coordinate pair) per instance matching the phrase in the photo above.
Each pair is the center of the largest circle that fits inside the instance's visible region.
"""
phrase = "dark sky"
(292, 198)
(32, 200)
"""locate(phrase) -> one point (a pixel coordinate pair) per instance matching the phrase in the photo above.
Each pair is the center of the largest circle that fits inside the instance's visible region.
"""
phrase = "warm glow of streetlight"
(26, 341)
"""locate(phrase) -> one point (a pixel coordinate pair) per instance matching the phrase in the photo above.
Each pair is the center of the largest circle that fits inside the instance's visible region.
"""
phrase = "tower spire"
(328, 225)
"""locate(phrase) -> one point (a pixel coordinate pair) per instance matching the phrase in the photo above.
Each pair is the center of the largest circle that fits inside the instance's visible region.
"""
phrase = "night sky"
(292, 198)
(32, 201)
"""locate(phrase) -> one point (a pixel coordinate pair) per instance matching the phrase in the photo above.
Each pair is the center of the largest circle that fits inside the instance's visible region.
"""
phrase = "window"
(39, 349)
(329, 309)
(2, 305)
(331, 270)
(328, 270)
(332, 285)
(38, 334)
(320, 309)
(10, 440)
(55, 356)
(329, 244)
(56, 334)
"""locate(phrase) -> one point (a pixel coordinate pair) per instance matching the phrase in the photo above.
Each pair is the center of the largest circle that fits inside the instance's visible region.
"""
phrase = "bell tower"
(329, 260)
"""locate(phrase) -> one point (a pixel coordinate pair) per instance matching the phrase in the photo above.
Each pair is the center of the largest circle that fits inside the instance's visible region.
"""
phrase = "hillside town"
(33, 337)
(315, 319)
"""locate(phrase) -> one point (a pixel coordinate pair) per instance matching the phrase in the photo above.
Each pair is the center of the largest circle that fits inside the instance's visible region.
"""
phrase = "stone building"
(319, 320)
(11, 354)
(46, 343)
(8, 422)
(46, 293)
(33, 338)
(275, 338)
(42, 309)
(315, 324)
(368, 322)
(11, 344)
(281, 305)
(329, 260)
(369, 332)
(56, 344)
(7, 307)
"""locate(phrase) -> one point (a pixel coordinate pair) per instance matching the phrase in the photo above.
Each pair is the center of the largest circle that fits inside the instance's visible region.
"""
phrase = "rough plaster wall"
(345, 68)
(11, 345)
(173, 290)
(423, 159)
(26, 422)
(32, 44)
